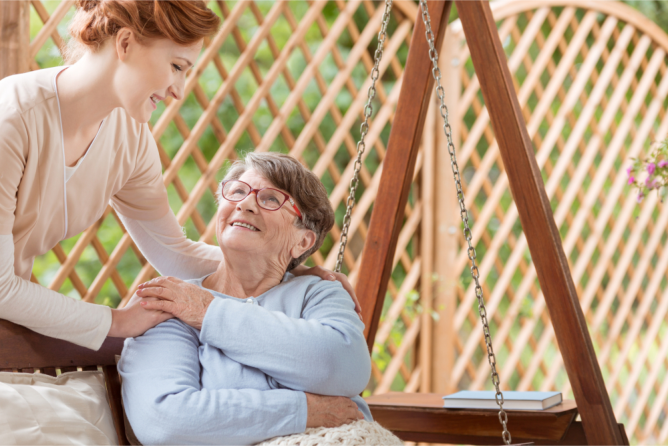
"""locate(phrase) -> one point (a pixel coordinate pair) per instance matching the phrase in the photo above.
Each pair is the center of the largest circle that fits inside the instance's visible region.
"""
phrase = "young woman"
(75, 137)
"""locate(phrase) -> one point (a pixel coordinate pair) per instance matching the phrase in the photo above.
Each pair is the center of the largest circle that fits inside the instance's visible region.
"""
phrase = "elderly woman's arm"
(324, 352)
(165, 402)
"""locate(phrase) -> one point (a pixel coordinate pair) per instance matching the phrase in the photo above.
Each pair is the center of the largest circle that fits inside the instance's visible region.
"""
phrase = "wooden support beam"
(533, 205)
(398, 167)
(14, 37)
(447, 225)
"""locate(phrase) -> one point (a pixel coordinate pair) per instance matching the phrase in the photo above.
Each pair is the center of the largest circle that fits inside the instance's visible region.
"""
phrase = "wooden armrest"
(22, 348)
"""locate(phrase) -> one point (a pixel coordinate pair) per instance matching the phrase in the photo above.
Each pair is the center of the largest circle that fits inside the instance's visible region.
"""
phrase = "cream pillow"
(69, 409)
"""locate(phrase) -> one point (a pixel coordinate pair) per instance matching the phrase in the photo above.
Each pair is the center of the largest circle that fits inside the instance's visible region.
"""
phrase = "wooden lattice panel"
(279, 76)
(593, 88)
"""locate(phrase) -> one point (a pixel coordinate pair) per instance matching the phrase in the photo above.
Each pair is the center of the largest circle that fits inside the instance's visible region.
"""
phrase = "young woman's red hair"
(182, 21)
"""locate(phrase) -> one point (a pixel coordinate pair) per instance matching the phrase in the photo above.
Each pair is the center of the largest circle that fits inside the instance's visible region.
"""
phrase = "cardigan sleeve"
(48, 312)
(143, 196)
(166, 403)
(322, 352)
(13, 142)
(166, 247)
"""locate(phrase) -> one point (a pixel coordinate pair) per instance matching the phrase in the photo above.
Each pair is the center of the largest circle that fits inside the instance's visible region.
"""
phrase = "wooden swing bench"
(411, 416)
(420, 417)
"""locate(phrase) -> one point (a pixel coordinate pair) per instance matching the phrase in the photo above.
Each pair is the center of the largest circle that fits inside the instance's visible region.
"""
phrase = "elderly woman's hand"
(330, 411)
(326, 274)
(184, 300)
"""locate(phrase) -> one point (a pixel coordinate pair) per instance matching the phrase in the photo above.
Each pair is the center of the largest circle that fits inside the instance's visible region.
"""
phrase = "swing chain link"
(440, 92)
(364, 129)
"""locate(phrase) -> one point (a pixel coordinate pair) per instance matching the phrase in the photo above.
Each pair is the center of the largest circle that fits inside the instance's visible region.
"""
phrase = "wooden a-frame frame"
(527, 189)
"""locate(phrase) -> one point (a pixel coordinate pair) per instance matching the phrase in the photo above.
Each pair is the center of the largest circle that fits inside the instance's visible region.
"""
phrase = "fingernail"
(142, 304)
(331, 277)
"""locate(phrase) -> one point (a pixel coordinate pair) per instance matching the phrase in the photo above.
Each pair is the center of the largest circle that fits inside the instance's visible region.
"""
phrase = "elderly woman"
(253, 351)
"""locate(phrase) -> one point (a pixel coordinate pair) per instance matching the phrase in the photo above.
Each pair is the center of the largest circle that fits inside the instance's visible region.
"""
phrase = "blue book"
(483, 399)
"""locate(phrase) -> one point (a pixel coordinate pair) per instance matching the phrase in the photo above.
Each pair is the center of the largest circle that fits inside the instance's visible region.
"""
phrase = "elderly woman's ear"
(305, 242)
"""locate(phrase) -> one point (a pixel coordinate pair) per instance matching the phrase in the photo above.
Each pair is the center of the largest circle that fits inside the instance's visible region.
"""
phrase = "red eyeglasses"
(267, 198)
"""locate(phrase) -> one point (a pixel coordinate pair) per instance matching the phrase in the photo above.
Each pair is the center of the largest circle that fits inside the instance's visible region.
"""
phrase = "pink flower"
(651, 183)
(631, 180)
(629, 171)
(651, 167)
(663, 163)
(641, 195)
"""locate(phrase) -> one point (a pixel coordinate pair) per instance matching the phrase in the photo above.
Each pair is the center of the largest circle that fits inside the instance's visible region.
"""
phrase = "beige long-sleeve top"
(39, 208)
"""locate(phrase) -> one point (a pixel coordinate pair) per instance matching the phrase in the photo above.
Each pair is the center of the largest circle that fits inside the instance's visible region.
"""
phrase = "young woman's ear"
(305, 243)
(124, 37)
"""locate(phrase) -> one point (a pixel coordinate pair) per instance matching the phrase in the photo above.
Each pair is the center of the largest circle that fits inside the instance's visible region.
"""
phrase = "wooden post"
(533, 206)
(427, 247)
(398, 168)
(448, 223)
(14, 37)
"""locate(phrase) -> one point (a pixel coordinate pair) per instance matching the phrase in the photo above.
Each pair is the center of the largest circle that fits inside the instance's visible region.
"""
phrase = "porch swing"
(421, 417)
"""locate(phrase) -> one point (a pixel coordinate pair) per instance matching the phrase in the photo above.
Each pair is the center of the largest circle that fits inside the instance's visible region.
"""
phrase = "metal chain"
(440, 92)
(364, 129)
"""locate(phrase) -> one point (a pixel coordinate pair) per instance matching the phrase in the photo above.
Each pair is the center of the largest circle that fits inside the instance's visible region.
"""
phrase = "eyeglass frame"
(257, 191)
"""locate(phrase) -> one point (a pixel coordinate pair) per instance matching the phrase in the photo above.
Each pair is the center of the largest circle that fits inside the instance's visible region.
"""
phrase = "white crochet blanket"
(357, 433)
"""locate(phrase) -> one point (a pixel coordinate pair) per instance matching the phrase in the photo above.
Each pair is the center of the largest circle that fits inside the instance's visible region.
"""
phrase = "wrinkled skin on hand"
(330, 411)
(184, 300)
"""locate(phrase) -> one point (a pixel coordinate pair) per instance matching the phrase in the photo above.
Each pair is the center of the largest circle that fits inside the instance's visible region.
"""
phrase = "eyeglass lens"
(269, 199)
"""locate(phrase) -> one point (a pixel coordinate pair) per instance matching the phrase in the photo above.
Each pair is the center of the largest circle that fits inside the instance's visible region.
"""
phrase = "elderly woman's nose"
(248, 204)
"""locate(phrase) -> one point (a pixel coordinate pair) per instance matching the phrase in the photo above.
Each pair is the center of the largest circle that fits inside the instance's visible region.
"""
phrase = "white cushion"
(358, 433)
(38, 409)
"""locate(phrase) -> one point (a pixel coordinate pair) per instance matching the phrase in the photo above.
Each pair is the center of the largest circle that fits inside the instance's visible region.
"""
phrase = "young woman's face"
(150, 72)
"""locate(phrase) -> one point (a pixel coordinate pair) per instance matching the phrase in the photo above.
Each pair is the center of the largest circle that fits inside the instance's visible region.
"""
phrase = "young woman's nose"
(177, 88)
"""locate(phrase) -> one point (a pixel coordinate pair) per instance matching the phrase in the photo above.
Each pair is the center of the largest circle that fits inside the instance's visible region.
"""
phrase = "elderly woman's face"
(275, 237)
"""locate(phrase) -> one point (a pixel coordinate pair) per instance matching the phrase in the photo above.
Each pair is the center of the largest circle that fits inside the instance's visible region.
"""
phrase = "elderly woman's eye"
(269, 200)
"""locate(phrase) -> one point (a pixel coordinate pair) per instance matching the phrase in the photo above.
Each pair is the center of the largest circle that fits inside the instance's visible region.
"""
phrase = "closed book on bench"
(483, 399)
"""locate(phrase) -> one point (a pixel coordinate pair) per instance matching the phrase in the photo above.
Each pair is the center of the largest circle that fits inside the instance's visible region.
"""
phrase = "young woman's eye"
(178, 68)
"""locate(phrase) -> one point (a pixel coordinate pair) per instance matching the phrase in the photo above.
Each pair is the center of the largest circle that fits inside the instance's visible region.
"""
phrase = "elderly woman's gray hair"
(286, 173)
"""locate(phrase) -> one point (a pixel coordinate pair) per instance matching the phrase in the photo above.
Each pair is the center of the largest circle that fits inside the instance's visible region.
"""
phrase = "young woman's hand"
(326, 274)
(330, 411)
(133, 320)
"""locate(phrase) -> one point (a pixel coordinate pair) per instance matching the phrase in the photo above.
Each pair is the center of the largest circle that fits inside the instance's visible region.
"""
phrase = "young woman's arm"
(48, 312)
(171, 253)
(21, 301)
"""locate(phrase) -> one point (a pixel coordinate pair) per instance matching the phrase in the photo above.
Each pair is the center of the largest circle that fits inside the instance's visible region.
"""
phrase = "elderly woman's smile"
(243, 225)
